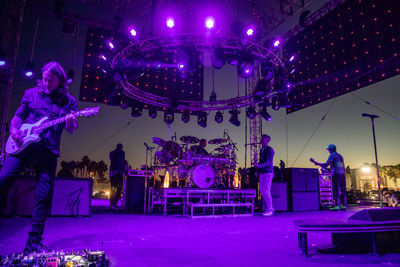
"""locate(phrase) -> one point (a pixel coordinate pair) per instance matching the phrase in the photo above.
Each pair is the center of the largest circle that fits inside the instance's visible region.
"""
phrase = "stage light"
(219, 118)
(132, 31)
(275, 103)
(264, 113)
(29, 69)
(261, 88)
(250, 31)
(185, 116)
(152, 112)
(291, 58)
(103, 57)
(288, 85)
(2, 58)
(234, 119)
(277, 43)
(111, 45)
(136, 111)
(170, 23)
(181, 66)
(169, 116)
(251, 112)
(246, 65)
(292, 71)
(202, 119)
(210, 22)
(213, 96)
(218, 58)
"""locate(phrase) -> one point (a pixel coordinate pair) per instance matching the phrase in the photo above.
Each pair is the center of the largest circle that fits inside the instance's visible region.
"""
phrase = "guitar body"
(30, 136)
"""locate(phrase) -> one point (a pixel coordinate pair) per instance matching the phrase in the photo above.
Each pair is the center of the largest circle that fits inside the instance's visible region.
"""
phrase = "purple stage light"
(181, 66)
(293, 70)
(28, 73)
(250, 32)
(210, 22)
(276, 43)
(111, 45)
(288, 85)
(291, 58)
(170, 23)
(132, 31)
(103, 57)
(2, 62)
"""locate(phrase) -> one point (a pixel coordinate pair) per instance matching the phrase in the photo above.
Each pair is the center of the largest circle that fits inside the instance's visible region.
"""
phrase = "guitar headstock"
(87, 112)
(313, 160)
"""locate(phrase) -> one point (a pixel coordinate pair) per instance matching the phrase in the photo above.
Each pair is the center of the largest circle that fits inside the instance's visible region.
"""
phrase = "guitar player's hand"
(17, 135)
(71, 123)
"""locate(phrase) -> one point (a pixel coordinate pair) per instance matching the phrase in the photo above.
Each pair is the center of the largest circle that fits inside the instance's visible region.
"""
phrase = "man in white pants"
(266, 169)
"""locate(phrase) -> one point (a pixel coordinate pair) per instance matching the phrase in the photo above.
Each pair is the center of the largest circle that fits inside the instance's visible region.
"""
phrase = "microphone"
(147, 147)
(372, 116)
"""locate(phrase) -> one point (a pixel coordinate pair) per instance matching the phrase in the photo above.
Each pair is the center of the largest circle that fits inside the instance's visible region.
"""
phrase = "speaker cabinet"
(279, 196)
(21, 196)
(302, 179)
(72, 197)
(135, 194)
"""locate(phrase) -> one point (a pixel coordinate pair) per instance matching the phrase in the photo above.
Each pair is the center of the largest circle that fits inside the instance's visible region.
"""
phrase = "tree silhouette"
(67, 169)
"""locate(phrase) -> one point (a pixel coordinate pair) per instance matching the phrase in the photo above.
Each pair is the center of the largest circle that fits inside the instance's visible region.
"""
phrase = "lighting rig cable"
(374, 106)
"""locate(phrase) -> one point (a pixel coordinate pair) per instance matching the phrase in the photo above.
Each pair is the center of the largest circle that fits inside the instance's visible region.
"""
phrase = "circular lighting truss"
(233, 47)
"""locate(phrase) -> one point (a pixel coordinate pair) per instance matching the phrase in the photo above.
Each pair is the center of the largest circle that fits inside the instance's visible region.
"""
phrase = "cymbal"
(187, 139)
(217, 141)
(158, 141)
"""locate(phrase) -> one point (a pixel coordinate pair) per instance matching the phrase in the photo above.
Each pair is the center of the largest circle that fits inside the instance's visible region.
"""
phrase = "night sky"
(96, 137)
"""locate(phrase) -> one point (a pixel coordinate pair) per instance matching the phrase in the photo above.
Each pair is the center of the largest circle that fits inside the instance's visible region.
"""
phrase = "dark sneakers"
(34, 246)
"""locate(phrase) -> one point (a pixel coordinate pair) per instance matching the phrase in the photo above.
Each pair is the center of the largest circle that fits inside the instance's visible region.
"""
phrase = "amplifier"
(147, 173)
(135, 194)
(279, 196)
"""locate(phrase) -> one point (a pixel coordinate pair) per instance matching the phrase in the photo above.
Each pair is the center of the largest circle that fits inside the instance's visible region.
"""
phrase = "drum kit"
(193, 169)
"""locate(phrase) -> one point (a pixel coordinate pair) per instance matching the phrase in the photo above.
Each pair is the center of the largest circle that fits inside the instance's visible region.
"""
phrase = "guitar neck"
(48, 124)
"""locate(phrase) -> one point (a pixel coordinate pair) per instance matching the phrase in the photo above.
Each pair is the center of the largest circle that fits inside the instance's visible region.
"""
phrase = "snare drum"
(202, 175)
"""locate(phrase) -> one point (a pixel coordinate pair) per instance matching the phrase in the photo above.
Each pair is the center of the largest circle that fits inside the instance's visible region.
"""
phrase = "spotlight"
(292, 71)
(136, 111)
(124, 104)
(181, 66)
(277, 43)
(264, 113)
(275, 103)
(210, 23)
(185, 116)
(262, 87)
(202, 119)
(251, 112)
(132, 31)
(170, 23)
(213, 96)
(111, 45)
(250, 31)
(103, 57)
(234, 117)
(267, 70)
(70, 75)
(246, 65)
(2, 58)
(291, 58)
(152, 112)
(169, 116)
(219, 118)
(218, 58)
(29, 69)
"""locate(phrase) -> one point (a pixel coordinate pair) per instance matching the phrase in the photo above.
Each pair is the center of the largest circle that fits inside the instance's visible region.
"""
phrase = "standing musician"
(335, 163)
(200, 150)
(49, 98)
(266, 169)
(117, 171)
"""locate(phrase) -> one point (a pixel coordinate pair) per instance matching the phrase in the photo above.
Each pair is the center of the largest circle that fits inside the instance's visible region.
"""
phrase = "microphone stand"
(376, 157)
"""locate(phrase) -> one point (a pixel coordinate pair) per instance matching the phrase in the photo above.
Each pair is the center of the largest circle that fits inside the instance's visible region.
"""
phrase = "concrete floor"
(173, 240)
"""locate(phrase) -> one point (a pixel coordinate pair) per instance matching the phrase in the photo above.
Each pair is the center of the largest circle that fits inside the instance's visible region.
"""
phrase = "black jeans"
(45, 163)
(339, 189)
(116, 188)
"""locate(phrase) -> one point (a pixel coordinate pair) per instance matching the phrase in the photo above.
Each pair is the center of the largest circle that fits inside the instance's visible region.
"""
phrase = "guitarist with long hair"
(50, 99)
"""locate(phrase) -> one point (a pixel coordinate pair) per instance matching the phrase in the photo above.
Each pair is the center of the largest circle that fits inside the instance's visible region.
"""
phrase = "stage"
(176, 240)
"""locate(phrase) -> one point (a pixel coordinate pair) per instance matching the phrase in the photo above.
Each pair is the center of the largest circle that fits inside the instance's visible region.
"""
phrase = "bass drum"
(202, 176)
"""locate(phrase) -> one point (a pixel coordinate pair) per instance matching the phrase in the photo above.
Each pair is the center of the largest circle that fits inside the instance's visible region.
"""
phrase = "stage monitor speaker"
(135, 194)
(21, 196)
(302, 179)
(72, 197)
(305, 201)
(279, 196)
(377, 215)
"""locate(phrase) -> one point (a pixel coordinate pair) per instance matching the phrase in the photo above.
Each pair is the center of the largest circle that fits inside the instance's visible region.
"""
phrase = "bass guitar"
(31, 131)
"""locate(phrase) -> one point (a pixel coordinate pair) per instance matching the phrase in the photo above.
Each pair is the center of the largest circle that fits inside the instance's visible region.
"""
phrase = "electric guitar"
(32, 131)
